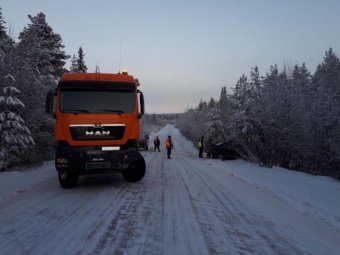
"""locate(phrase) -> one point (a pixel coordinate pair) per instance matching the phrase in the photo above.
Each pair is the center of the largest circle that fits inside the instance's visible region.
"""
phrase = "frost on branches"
(215, 129)
(15, 137)
(286, 118)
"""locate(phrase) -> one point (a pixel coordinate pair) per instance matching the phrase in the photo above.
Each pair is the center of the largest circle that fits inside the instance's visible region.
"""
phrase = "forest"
(28, 69)
(285, 118)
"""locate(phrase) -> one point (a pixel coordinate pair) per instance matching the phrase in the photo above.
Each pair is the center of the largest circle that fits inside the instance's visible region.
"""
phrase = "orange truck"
(97, 126)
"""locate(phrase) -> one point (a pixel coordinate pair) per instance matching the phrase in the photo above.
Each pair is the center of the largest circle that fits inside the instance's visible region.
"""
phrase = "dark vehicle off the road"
(223, 151)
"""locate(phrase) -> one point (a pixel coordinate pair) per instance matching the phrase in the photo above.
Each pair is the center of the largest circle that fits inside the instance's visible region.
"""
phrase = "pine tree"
(82, 68)
(78, 63)
(242, 93)
(34, 78)
(255, 82)
(327, 74)
(326, 110)
(15, 137)
(3, 33)
(299, 128)
(42, 46)
(223, 102)
(202, 105)
(6, 43)
(74, 64)
(212, 103)
(214, 125)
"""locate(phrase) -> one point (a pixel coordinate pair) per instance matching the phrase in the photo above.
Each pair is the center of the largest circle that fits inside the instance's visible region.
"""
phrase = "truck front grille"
(97, 132)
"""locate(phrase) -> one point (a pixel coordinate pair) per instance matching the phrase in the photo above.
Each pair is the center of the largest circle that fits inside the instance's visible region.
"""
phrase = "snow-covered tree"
(74, 64)
(299, 126)
(214, 125)
(327, 76)
(41, 59)
(3, 32)
(214, 119)
(255, 82)
(42, 46)
(15, 137)
(287, 118)
(35, 62)
(192, 124)
(5, 41)
(326, 84)
(241, 92)
(223, 102)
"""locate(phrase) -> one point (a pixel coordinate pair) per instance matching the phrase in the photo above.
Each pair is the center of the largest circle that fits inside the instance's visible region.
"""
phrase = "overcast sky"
(184, 51)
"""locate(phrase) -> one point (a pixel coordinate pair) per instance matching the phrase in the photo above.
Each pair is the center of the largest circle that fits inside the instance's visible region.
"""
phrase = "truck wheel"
(136, 170)
(67, 180)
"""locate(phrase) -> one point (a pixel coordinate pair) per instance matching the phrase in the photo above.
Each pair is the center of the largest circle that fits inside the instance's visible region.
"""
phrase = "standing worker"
(168, 146)
(200, 147)
(156, 143)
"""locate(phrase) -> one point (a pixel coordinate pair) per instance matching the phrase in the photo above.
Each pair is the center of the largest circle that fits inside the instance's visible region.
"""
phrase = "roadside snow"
(22, 179)
(318, 196)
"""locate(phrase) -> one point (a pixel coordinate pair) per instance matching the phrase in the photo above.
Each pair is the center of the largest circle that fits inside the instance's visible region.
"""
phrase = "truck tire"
(67, 179)
(136, 171)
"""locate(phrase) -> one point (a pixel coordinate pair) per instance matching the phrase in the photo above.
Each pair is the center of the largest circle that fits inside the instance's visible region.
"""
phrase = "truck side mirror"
(50, 102)
(142, 107)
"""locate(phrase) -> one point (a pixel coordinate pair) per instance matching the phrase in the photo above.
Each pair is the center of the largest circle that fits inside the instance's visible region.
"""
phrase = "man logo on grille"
(97, 133)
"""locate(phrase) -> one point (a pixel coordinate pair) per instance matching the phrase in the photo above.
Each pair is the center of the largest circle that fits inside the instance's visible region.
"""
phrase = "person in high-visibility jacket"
(200, 147)
(156, 143)
(169, 146)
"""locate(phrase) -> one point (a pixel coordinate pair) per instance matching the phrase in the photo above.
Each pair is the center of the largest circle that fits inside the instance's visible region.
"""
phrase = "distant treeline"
(152, 123)
(288, 118)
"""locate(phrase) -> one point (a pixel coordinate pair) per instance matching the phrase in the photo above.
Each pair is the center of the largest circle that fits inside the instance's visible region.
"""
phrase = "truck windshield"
(80, 101)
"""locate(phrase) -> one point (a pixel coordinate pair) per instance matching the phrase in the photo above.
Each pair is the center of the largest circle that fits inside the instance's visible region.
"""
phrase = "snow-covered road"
(184, 205)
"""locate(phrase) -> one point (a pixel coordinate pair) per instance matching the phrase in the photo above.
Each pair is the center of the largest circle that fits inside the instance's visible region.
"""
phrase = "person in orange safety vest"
(169, 146)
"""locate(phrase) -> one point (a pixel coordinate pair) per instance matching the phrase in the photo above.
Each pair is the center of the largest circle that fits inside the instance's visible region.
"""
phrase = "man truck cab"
(97, 126)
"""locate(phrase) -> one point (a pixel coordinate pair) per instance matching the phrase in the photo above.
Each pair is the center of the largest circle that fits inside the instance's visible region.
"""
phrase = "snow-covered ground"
(184, 205)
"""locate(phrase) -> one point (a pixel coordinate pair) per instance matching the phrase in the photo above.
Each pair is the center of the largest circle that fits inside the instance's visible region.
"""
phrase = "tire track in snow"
(206, 208)
(135, 228)
(245, 230)
(56, 215)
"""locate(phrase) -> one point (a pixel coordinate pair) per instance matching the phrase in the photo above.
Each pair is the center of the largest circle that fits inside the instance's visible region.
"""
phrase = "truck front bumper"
(87, 160)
